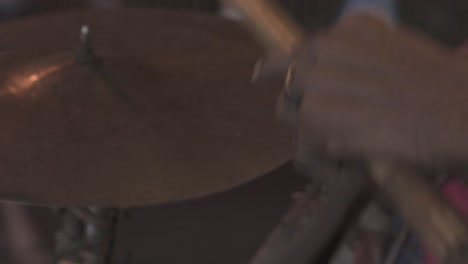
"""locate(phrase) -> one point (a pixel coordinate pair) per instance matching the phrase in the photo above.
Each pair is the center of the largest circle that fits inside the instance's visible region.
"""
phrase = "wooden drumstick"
(272, 26)
(437, 224)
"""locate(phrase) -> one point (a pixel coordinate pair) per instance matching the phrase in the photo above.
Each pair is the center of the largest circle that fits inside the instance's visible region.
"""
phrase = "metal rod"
(397, 246)
(313, 220)
(87, 236)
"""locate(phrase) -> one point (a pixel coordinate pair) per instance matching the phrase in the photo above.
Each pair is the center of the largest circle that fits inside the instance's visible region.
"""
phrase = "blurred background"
(445, 20)
(228, 227)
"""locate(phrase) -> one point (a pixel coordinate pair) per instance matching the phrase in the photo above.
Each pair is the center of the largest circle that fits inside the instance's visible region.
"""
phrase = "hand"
(364, 90)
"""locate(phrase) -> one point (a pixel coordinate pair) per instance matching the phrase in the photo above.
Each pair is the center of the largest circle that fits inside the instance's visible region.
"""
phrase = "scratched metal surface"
(169, 113)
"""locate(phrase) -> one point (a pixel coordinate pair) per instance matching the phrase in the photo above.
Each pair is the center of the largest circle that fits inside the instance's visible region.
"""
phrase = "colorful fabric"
(456, 193)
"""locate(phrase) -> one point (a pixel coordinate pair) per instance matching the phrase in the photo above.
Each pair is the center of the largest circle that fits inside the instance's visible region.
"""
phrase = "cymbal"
(156, 107)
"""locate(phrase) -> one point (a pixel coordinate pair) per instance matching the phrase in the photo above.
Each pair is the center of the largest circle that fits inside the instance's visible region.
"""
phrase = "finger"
(350, 52)
(348, 82)
(342, 126)
(326, 119)
(329, 73)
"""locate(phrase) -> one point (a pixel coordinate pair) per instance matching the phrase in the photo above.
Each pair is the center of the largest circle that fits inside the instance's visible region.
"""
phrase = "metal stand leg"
(68, 239)
(87, 236)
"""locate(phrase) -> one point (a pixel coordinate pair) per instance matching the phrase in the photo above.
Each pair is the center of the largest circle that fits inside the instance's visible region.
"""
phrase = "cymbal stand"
(87, 236)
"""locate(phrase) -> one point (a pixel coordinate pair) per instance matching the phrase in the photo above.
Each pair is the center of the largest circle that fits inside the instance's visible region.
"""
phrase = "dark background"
(442, 19)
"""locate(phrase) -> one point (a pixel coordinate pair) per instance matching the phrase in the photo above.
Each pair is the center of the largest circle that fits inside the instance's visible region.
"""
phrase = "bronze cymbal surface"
(165, 110)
